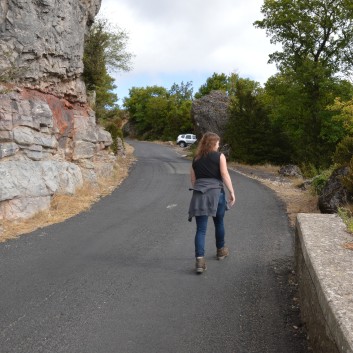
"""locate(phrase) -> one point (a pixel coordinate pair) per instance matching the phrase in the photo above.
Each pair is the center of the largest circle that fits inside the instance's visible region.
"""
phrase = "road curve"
(120, 277)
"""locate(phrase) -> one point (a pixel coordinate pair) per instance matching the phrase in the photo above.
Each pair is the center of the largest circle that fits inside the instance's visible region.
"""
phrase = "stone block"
(8, 149)
(85, 129)
(5, 113)
(34, 155)
(37, 179)
(6, 136)
(5, 121)
(83, 149)
(20, 179)
(26, 136)
(33, 113)
(23, 135)
(70, 178)
(22, 115)
(44, 140)
(24, 207)
(42, 114)
(104, 136)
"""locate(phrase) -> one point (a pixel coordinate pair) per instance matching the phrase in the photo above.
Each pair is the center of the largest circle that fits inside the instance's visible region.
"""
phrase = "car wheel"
(182, 144)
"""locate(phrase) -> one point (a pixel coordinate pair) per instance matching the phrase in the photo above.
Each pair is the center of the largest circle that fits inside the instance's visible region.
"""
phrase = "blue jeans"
(201, 228)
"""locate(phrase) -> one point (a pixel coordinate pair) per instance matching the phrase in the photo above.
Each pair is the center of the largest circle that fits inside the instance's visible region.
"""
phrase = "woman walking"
(209, 174)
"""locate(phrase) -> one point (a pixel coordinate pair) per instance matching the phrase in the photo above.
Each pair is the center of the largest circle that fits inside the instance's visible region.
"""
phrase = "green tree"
(250, 134)
(218, 82)
(141, 110)
(214, 83)
(289, 109)
(158, 113)
(104, 51)
(344, 113)
(316, 38)
(181, 92)
(178, 119)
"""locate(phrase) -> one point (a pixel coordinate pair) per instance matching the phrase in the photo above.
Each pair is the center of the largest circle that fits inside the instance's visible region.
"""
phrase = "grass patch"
(266, 168)
(319, 181)
(269, 168)
(66, 206)
(347, 217)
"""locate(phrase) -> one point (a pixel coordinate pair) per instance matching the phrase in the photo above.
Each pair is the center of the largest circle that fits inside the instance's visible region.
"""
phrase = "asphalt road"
(120, 277)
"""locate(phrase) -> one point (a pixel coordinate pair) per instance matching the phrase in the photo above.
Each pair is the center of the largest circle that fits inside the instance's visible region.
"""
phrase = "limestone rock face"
(49, 140)
(38, 179)
(41, 43)
(47, 146)
(210, 113)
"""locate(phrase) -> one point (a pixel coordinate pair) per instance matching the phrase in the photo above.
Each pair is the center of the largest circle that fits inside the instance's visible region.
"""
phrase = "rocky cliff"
(211, 113)
(49, 140)
(41, 43)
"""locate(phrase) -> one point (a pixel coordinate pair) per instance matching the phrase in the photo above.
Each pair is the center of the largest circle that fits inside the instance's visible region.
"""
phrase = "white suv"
(185, 140)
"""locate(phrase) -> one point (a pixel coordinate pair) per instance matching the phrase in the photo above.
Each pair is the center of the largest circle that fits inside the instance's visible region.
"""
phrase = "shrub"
(309, 170)
(344, 151)
(319, 181)
(347, 180)
(115, 132)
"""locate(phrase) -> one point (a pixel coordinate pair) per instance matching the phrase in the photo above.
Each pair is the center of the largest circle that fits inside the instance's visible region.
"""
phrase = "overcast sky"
(189, 40)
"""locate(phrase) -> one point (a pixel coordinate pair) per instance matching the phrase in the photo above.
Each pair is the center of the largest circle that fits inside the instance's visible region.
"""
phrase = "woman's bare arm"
(226, 179)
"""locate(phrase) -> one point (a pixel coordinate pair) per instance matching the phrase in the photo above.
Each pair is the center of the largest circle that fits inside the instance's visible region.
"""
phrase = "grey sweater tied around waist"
(205, 197)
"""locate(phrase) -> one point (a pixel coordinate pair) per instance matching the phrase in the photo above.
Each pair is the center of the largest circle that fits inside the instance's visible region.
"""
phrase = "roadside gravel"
(297, 200)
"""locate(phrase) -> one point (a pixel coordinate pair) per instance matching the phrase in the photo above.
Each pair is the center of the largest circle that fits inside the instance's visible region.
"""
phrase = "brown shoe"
(222, 253)
(200, 265)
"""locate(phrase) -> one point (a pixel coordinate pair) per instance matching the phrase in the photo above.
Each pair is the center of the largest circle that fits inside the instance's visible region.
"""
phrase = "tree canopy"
(158, 113)
(105, 50)
(218, 82)
(316, 38)
(316, 34)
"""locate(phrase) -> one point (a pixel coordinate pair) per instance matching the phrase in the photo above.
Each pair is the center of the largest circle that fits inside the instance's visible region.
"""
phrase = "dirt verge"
(296, 199)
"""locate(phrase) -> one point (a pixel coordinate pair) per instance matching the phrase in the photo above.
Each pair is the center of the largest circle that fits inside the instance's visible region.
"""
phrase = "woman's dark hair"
(206, 144)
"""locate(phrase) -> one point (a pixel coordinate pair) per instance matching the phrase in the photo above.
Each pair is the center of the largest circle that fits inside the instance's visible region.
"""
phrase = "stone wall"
(324, 271)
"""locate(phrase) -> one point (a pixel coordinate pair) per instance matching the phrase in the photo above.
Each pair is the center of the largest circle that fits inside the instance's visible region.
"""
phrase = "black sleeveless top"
(208, 166)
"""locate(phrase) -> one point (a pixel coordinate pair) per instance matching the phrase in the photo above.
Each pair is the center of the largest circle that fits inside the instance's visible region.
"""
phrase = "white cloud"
(192, 36)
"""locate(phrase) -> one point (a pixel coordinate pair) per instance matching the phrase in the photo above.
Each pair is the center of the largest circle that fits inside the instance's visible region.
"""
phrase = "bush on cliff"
(104, 51)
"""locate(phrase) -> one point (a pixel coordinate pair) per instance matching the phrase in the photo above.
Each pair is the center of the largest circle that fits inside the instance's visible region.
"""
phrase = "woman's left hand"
(231, 199)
